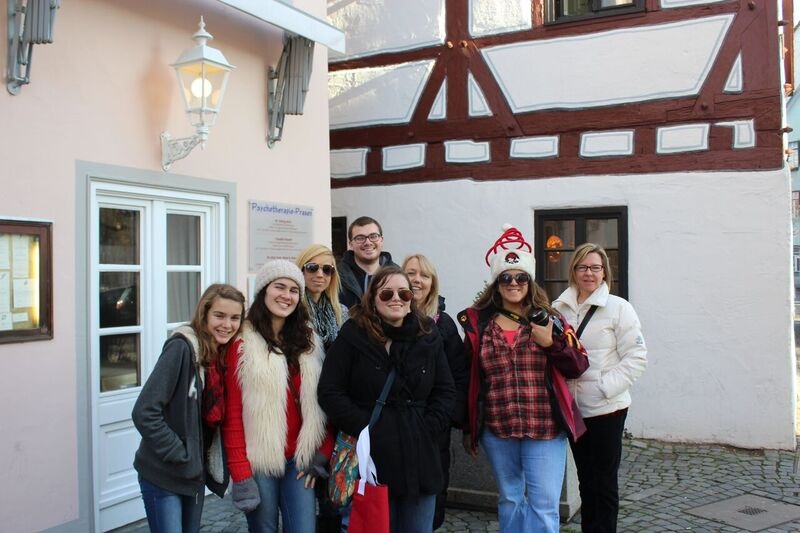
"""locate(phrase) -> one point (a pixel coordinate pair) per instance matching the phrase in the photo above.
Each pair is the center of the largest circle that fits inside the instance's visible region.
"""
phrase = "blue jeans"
(296, 503)
(168, 512)
(526, 464)
(412, 516)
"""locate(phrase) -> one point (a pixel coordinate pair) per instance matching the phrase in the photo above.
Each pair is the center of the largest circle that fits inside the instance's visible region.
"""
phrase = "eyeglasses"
(328, 270)
(360, 239)
(387, 294)
(584, 268)
(520, 277)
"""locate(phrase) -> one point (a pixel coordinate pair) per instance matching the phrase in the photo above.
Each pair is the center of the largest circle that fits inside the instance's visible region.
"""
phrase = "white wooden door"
(152, 254)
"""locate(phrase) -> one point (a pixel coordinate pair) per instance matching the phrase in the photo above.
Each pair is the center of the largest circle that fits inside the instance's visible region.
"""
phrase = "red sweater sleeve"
(232, 425)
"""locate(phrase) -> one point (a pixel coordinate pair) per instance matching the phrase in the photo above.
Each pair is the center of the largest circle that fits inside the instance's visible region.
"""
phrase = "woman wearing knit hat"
(274, 429)
(518, 404)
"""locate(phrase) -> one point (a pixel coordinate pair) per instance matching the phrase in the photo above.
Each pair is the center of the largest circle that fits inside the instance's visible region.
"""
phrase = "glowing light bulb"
(201, 88)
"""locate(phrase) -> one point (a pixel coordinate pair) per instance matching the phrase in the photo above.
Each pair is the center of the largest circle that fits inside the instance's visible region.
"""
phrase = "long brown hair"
(366, 316)
(199, 323)
(296, 336)
(536, 297)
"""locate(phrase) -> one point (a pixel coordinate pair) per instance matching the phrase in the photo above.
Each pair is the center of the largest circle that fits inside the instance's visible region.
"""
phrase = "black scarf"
(403, 338)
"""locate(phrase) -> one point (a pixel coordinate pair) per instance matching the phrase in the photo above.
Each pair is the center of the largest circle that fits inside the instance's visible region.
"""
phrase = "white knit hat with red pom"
(509, 254)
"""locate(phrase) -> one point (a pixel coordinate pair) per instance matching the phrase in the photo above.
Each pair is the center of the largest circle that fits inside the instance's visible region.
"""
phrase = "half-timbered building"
(653, 127)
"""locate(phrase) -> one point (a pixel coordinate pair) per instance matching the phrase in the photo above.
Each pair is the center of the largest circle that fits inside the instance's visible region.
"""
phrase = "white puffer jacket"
(617, 352)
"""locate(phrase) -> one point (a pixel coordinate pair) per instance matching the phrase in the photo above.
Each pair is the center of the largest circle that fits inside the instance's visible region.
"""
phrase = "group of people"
(259, 394)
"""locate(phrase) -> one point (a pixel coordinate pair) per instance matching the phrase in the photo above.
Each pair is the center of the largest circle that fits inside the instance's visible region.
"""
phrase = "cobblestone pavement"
(659, 482)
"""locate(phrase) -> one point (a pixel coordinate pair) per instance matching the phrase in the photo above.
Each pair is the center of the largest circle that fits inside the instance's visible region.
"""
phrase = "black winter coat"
(404, 440)
(456, 360)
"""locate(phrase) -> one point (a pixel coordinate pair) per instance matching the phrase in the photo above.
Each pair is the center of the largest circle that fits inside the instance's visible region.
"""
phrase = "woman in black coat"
(386, 331)
(425, 285)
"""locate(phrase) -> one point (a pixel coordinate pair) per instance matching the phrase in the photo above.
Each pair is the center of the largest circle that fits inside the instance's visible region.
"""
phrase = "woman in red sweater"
(274, 430)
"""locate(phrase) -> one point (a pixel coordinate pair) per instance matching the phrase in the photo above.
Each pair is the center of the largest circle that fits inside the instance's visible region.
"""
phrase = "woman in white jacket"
(612, 336)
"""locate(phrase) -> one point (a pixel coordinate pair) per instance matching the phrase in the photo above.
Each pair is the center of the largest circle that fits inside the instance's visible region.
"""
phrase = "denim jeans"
(296, 503)
(168, 512)
(412, 515)
(535, 466)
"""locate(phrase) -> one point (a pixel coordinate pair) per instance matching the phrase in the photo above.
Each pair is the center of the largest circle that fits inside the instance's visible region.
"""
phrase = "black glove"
(319, 466)
(245, 495)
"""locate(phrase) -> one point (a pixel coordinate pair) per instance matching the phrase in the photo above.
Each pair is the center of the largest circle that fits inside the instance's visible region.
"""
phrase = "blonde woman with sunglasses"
(385, 332)
(322, 291)
(327, 316)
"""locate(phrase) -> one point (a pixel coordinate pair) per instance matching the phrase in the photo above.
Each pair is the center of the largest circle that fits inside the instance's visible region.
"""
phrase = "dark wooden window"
(558, 232)
(569, 10)
(26, 281)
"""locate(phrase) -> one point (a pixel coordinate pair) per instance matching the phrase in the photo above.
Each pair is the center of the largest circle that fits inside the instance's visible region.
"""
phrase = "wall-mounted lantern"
(203, 76)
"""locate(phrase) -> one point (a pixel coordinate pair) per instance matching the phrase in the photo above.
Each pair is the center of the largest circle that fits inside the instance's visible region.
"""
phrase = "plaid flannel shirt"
(517, 401)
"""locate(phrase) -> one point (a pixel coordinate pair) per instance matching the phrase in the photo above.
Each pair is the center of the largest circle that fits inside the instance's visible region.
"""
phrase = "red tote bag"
(370, 512)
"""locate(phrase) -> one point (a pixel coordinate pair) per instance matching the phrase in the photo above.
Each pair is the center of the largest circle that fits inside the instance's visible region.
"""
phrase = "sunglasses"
(328, 270)
(387, 294)
(520, 277)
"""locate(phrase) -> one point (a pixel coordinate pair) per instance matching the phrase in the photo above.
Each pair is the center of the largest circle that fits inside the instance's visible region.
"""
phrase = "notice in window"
(23, 293)
(5, 322)
(277, 231)
(5, 256)
(20, 260)
(5, 292)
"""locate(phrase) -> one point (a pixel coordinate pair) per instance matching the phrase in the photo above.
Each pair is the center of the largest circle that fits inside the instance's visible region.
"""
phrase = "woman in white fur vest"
(274, 430)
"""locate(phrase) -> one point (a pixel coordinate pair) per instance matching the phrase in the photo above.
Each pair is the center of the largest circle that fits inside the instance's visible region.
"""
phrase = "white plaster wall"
(709, 275)
(102, 92)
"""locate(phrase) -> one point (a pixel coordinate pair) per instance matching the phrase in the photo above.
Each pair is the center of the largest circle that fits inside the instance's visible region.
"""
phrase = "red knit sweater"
(233, 427)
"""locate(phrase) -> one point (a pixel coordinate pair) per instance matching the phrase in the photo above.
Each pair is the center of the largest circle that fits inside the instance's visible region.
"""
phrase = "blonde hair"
(431, 304)
(580, 254)
(332, 292)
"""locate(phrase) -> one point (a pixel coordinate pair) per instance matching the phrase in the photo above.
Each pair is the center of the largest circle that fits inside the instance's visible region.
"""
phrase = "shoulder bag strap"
(585, 321)
(380, 402)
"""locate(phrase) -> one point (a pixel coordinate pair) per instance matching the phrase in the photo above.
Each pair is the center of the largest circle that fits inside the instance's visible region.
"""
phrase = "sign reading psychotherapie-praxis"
(277, 231)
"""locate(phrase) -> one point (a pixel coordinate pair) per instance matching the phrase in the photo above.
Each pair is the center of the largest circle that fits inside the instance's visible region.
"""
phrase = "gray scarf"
(324, 319)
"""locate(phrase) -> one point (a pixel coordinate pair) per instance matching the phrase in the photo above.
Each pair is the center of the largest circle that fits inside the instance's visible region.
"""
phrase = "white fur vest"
(263, 377)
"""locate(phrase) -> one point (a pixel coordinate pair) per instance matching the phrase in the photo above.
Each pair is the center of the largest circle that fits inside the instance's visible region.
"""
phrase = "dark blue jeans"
(168, 512)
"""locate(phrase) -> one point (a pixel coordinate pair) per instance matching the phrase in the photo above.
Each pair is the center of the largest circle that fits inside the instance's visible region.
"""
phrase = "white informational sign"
(277, 231)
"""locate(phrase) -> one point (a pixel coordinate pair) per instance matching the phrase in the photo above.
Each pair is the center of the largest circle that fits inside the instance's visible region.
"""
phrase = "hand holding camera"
(541, 317)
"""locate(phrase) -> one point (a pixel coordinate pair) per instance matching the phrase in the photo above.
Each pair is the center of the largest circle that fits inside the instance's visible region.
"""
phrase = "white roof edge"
(293, 20)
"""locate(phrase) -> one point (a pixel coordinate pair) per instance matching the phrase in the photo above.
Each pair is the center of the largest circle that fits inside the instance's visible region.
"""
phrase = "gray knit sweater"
(167, 415)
